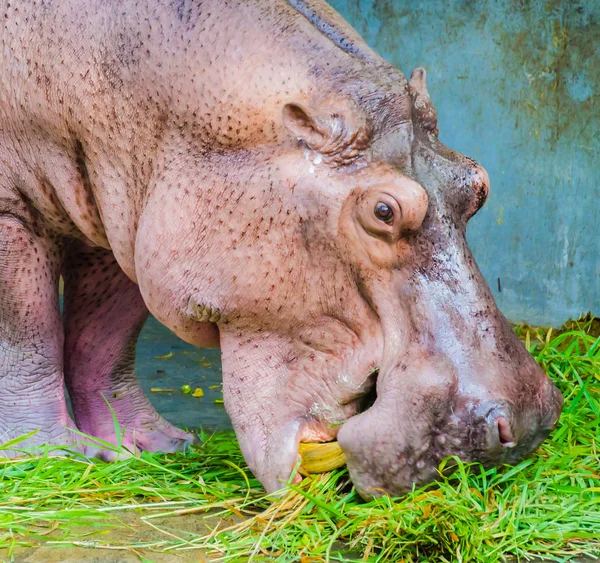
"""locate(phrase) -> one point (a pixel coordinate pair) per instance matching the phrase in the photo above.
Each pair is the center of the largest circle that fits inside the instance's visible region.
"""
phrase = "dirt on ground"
(95, 555)
(103, 547)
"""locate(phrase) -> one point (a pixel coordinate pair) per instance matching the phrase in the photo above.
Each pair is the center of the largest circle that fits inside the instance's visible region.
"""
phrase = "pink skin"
(31, 339)
(103, 316)
(273, 186)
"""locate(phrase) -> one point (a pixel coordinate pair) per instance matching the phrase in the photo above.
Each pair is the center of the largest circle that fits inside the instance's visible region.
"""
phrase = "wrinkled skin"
(258, 179)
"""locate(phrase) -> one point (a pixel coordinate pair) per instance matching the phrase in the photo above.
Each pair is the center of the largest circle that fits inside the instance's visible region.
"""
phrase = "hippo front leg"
(31, 336)
(103, 316)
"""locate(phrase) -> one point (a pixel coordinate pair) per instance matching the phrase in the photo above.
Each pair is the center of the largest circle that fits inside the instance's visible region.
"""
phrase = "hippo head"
(333, 262)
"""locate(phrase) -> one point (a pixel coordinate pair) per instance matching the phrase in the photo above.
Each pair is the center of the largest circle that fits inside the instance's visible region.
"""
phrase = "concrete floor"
(134, 531)
(186, 366)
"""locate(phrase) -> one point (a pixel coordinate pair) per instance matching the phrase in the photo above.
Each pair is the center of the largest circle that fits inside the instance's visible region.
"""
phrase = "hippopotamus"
(258, 179)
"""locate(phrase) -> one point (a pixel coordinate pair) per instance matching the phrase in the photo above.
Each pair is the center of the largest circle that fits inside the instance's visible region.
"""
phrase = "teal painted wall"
(516, 84)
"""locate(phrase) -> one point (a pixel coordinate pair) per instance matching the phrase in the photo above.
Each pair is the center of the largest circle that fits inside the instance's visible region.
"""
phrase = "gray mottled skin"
(221, 164)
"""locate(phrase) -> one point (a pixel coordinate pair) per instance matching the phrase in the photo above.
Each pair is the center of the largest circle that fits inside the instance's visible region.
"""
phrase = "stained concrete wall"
(516, 84)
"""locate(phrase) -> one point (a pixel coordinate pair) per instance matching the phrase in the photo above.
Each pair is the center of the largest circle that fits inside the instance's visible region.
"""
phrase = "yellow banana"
(320, 458)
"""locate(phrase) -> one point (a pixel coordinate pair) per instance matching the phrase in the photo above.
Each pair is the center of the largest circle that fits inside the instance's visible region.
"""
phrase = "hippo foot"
(59, 436)
(140, 426)
(150, 436)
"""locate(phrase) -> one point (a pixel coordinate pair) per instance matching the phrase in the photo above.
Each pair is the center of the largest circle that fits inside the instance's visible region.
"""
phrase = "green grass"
(548, 505)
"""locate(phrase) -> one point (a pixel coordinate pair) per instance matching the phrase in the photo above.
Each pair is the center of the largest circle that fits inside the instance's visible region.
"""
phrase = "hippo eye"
(431, 126)
(384, 212)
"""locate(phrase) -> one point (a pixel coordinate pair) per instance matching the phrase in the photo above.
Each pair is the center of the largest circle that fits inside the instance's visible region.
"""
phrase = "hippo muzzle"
(432, 411)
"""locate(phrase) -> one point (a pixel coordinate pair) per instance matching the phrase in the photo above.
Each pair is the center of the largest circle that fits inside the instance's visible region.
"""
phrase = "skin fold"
(256, 177)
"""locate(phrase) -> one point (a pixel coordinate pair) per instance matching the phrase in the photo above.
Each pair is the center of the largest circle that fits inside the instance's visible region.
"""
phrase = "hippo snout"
(399, 442)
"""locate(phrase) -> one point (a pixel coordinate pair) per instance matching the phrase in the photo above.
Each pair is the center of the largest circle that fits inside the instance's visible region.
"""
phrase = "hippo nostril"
(507, 440)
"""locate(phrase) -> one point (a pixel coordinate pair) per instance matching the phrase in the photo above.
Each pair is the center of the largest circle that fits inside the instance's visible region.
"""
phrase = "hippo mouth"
(318, 448)
(325, 422)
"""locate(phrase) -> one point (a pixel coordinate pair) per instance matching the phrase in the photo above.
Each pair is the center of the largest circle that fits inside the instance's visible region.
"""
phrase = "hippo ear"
(332, 129)
(425, 111)
(418, 80)
(306, 124)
